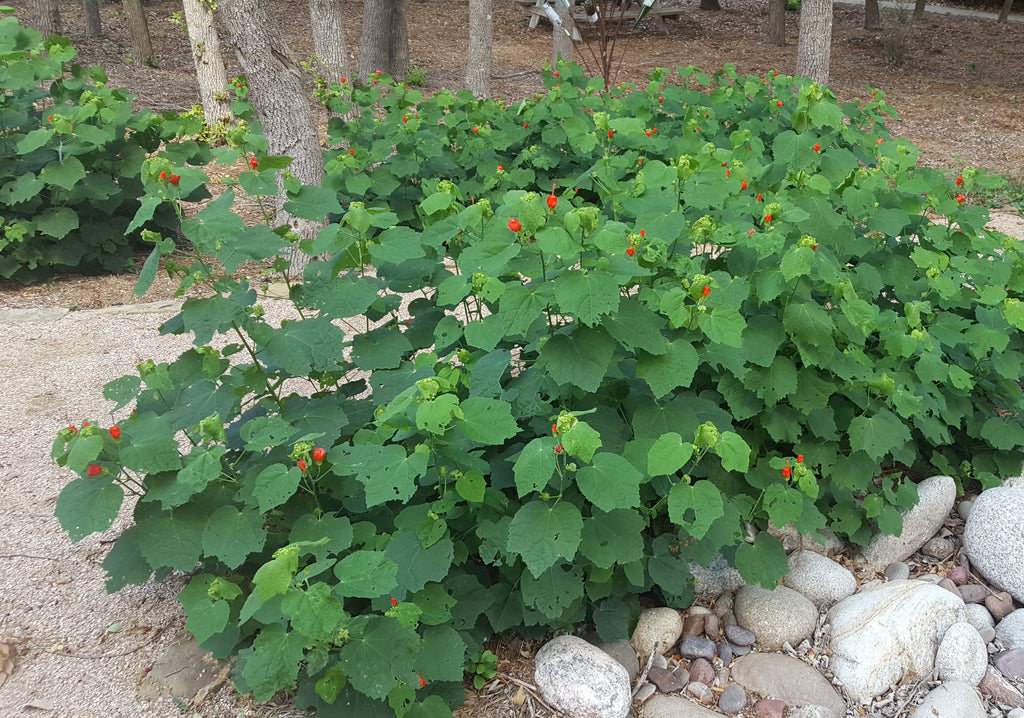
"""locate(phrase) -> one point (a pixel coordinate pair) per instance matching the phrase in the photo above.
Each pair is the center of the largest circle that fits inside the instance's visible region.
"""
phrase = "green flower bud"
(429, 388)
(707, 436)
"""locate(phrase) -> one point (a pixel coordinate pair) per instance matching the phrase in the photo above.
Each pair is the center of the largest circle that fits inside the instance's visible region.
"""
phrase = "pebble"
(964, 508)
(740, 650)
(978, 616)
(959, 575)
(725, 652)
(645, 691)
(739, 636)
(662, 706)
(723, 604)
(961, 655)
(973, 593)
(732, 700)
(994, 538)
(702, 671)
(696, 647)
(665, 680)
(1010, 629)
(700, 691)
(1010, 663)
(622, 652)
(659, 661)
(661, 626)
(939, 548)
(988, 634)
(693, 624)
(897, 571)
(999, 689)
(811, 712)
(770, 708)
(1000, 605)
(712, 626)
(950, 586)
(1016, 713)
(775, 616)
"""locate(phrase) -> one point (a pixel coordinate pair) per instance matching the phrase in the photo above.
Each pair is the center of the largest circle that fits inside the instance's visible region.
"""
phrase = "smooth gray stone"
(696, 647)
(739, 636)
(961, 655)
(788, 679)
(732, 700)
(994, 538)
(897, 571)
(819, 579)
(954, 699)
(578, 678)
(622, 652)
(1010, 630)
(665, 680)
(973, 593)
(776, 616)
(936, 496)
(662, 706)
(661, 626)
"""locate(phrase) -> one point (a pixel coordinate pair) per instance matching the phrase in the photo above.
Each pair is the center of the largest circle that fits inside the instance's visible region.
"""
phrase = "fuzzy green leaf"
(879, 434)
(365, 574)
(587, 295)
(231, 535)
(88, 505)
(535, 465)
(487, 421)
(668, 454)
(580, 358)
(381, 657)
(610, 483)
(541, 534)
(665, 372)
(695, 507)
(272, 664)
(275, 485)
(615, 537)
(763, 561)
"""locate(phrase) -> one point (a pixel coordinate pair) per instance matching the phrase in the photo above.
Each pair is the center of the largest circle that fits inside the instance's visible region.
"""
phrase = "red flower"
(344, 80)
(655, 130)
(525, 125)
(163, 175)
(814, 248)
(115, 432)
(706, 291)
(556, 74)
(554, 428)
(319, 453)
(767, 218)
(558, 449)
(648, 133)
(405, 118)
(643, 232)
(959, 181)
(173, 179)
(960, 198)
(515, 225)
(661, 100)
(422, 681)
(94, 470)
(552, 200)
(301, 464)
(352, 152)
(50, 118)
(73, 428)
(500, 168)
(879, 141)
(253, 163)
(728, 172)
(786, 472)
(799, 458)
(378, 72)
(630, 251)
(817, 148)
(394, 602)
(85, 423)
(779, 103)
(758, 196)
(611, 133)
(475, 130)
(743, 185)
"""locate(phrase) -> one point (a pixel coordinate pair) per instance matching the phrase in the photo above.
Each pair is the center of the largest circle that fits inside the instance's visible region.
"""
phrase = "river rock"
(732, 700)
(739, 636)
(700, 691)
(973, 593)
(622, 652)
(1000, 605)
(978, 616)
(954, 699)
(994, 538)
(579, 679)
(770, 708)
(662, 706)
(819, 579)
(776, 616)
(665, 680)
(787, 678)
(717, 578)
(810, 712)
(961, 655)
(1000, 690)
(1010, 630)
(661, 626)
(702, 671)
(897, 571)
(697, 647)
(880, 636)
(1010, 663)
(935, 500)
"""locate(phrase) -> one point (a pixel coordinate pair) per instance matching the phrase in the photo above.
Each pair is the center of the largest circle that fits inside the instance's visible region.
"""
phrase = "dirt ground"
(958, 91)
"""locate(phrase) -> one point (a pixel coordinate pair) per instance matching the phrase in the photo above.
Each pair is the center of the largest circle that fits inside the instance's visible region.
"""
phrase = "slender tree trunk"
(206, 54)
(561, 37)
(277, 94)
(776, 22)
(385, 41)
(919, 9)
(1004, 14)
(478, 63)
(814, 52)
(872, 20)
(91, 12)
(329, 38)
(710, 5)
(44, 16)
(138, 29)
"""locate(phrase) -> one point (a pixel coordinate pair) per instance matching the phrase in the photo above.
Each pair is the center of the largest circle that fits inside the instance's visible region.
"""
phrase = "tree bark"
(1004, 14)
(138, 29)
(919, 9)
(44, 16)
(710, 5)
(814, 51)
(329, 38)
(277, 95)
(91, 12)
(776, 22)
(206, 54)
(561, 37)
(872, 20)
(384, 44)
(478, 62)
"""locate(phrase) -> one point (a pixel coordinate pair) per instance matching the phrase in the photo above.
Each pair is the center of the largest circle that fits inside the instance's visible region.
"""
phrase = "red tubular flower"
(174, 179)
(94, 470)
(344, 80)
(706, 291)
(394, 601)
(767, 218)
(500, 168)
(475, 130)
(515, 225)
(301, 464)
(611, 133)
(319, 453)
(115, 432)
(552, 200)
(405, 118)
(253, 163)
(959, 181)
(743, 185)
(799, 458)
(163, 175)
(554, 428)
(423, 682)
(786, 472)
(630, 251)
(779, 103)
(558, 449)
(961, 198)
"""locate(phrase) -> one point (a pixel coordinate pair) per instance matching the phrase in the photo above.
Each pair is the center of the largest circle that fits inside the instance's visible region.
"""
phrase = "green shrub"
(71, 150)
(737, 305)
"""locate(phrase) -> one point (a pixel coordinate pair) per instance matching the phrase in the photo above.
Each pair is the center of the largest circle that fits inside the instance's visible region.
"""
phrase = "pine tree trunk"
(478, 63)
(277, 94)
(206, 54)
(919, 9)
(872, 20)
(138, 29)
(329, 38)
(91, 12)
(384, 44)
(561, 37)
(710, 5)
(44, 16)
(1004, 14)
(776, 22)
(814, 51)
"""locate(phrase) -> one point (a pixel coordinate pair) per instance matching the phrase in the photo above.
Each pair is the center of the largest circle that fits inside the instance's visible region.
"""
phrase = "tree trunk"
(385, 41)
(478, 62)
(277, 95)
(329, 38)
(561, 37)
(919, 9)
(776, 22)
(710, 5)
(138, 29)
(872, 21)
(1005, 12)
(44, 16)
(814, 51)
(91, 11)
(206, 54)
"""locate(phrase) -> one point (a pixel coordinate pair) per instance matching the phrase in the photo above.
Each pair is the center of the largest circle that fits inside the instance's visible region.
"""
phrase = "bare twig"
(643, 676)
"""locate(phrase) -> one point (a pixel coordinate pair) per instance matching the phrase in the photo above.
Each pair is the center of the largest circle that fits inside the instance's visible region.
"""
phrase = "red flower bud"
(394, 602)
(554, 428)
(475, 130)
(611, 133)
(115, 432)
(301, 464)
(253, 163)
(630, 251)
(786, 472)
(767, 218)
(552, 200)
(779, 103)
(94, 470)
(758, 196)
(661, 100)
(344, 80)
(743, 185)
(173, 179)
(556, 74)
(817, 148)
(799, 458)
(352, 152)
(558, 449)
(959, 181)
(500, 168)
(706, 291)
(319, 453)
(515, 225)
(163, 175)
(961, 198)
(422, 681)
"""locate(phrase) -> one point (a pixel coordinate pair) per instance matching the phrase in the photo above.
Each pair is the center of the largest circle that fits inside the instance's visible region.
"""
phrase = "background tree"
(329, 38)
(561, 35)
(1004, 14)
(814, 51)
(384, 44)
(710, 5)
(478, 62)
(91, 13)
(776, 22)
(919, 9)
(280, 100)
(138, 30)
(44, 16)
(872, 20)
(206, 54)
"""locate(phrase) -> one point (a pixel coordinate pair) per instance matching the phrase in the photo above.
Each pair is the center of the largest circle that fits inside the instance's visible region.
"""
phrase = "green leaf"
(272, 664)
(365, 574)
(487, 421)
(763, 561)
(520, 306)
(391, 475)
(615, 537)
(206, 618)
(125, 565)
(442, 653)
(381, 348)
(783, 503)
(695, 507)
(485, 333)
(723, 325)
(56, 222)
(471, 486)
(587, 294)
(313, 203)
(122, 391)
(541, 534)
(383, 656)
(796, 262)
(87, 506)
(535, 465)
(610, 483)
(148, 444)
(668, 454)
(1001, 433)
(64, 174)
(672, 369)
(231, 535)
(83, 450)
(275, 485)
(581, 441)
(554, 591)
(733, 451)
(314, 612)
(635, 326)
(418, 566)
(879, 434)
(580, 358)
(264, 432)
(173, 538)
